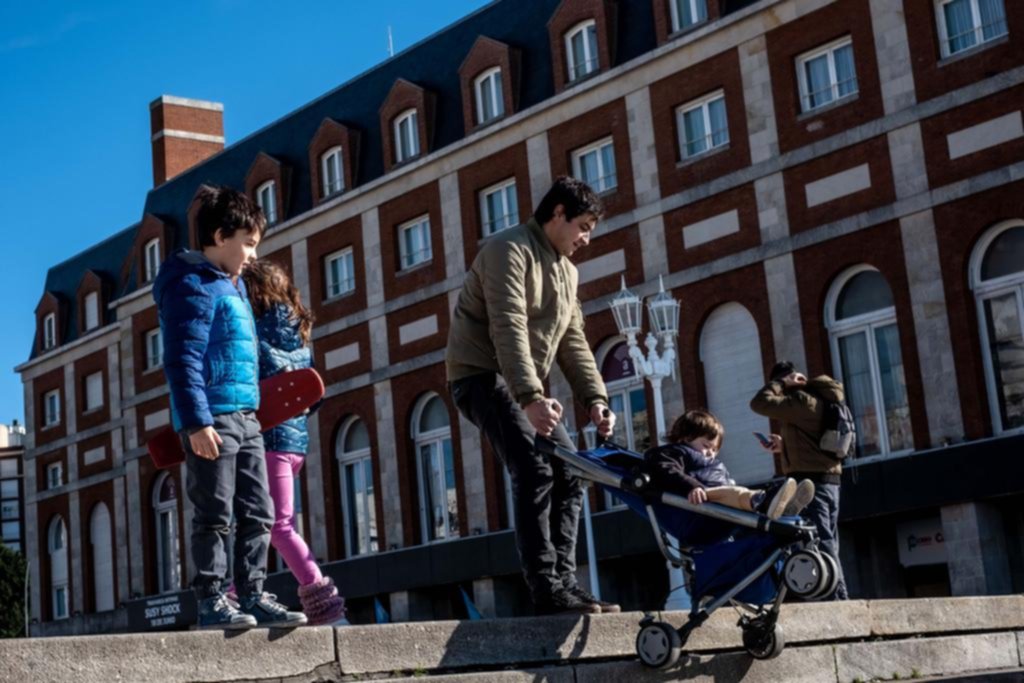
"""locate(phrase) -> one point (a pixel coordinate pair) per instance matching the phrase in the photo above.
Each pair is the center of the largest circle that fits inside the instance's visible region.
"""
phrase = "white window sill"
(150, 371)
(706, 154)
(413, 269)
(972, 50)
(834, 104)
(338, 297)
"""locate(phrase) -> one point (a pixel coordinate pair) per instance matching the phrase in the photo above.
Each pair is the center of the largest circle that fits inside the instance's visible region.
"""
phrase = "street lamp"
(663, 312)
(590, 438)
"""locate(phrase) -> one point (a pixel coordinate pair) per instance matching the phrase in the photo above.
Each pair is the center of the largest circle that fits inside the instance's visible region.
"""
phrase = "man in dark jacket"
(516, 315)
(799, 405)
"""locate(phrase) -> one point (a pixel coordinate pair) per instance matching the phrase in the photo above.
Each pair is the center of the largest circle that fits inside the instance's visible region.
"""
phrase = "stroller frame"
(807, 572)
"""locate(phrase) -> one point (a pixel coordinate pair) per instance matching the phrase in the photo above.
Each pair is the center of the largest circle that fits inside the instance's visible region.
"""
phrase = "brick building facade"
(828, 181)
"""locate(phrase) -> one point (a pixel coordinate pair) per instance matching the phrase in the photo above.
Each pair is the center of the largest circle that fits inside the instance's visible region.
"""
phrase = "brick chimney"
(185, 132)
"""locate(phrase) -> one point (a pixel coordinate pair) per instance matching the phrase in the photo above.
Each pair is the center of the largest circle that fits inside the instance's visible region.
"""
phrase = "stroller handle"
(591, 470)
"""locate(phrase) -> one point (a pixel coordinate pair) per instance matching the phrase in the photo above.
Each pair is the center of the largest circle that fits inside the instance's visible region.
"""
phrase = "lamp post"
(590, 438)
(663, 311)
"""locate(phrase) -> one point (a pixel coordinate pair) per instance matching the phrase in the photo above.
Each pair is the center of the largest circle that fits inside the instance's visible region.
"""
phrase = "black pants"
(236, 482)
(823, 512)
(546, 497)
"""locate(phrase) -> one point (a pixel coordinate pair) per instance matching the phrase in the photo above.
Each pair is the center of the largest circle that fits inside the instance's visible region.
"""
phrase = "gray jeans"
(823, 512)
(236, 482)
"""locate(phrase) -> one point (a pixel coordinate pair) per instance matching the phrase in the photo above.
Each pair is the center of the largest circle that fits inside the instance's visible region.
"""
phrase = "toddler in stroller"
(728, 556)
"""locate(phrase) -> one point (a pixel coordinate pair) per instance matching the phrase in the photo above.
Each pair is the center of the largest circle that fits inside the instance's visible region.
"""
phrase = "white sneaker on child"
(781, 499)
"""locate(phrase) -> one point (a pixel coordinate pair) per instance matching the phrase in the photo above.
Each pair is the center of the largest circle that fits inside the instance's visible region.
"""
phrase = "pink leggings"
(282, 469)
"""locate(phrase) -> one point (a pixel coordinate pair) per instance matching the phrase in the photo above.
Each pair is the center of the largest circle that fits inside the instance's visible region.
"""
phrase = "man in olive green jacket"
(798, 404)
(516, 315)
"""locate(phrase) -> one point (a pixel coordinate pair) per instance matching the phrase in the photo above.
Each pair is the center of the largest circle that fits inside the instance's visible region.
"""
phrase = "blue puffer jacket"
(282, 350)
(209, 336)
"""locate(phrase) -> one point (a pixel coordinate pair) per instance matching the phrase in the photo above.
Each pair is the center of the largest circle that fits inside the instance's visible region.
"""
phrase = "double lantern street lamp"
(663, 311)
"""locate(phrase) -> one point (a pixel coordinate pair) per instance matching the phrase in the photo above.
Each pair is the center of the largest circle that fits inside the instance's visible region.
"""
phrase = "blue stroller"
(728, 556)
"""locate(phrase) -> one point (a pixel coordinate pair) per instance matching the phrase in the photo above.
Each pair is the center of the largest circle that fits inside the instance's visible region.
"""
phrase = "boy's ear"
(218, 237)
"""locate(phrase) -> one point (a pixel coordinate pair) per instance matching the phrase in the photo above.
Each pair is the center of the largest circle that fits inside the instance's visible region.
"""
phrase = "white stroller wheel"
(658, 645)
(805, 573)
(831, 577)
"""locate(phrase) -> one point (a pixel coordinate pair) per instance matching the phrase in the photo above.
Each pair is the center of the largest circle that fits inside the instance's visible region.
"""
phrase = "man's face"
(567, 236)
(233, 254)
(794, 379)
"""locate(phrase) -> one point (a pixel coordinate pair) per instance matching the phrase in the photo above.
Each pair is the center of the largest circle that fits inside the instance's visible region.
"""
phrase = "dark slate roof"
(433, 63)
(106, 260)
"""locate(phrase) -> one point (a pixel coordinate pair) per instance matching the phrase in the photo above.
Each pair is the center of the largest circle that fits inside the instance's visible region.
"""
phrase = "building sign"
(921, 542)
(162, 612)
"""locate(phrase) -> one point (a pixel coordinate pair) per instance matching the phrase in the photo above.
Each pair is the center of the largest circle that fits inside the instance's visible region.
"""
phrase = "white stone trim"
(156, 419)
(611, 263)
(187, 135)
(417, 329)
(94, 455)
(711, 229)
(187, 102)
(344, 355)
(984, 135)
(837, 185)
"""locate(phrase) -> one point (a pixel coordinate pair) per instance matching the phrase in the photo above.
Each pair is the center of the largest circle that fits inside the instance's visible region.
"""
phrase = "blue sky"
(76, 80)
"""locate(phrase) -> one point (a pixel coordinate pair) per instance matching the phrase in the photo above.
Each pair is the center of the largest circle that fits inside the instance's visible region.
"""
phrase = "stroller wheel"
(658, 645)
(828, 586)
(805, 573)
(764, 641)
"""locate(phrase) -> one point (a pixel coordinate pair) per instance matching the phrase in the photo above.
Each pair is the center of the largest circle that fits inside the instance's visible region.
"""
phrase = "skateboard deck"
(282, 397)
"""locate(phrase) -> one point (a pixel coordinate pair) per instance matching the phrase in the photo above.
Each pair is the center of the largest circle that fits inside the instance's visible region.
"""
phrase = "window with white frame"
(51, 408)
(595, 165)
(341, 272)
(332, 178)
(499, 208)
(407, 136)
(54, 475)
(581, 49)
(57, 545)
(266, 197)
(154, 349)
(165, 510)
(49, 331)
(687, 13)
(627, 398)
(435, 467)
(151, 258)
(963, 24)
(997, 279)
(92, 310)
(703, 125)
(358, 493)
(861, 320)
(93, 391)
(414, 242)
(826, 74)
(490, 103)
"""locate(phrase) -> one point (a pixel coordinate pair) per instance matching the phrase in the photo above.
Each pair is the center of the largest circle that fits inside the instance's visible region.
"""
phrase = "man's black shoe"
(564, 602)
(585, 595)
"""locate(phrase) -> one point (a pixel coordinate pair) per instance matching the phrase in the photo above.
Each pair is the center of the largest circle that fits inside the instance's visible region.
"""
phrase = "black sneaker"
(268, 612)
(564, 602)
(586, 596)
(217, 612)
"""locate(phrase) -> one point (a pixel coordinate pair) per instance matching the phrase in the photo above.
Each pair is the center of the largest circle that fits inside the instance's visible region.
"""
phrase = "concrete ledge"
(948, 615)
(926, 657)
(182, 656)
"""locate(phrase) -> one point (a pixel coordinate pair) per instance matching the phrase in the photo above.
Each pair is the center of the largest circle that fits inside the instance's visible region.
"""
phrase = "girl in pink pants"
(283, 326)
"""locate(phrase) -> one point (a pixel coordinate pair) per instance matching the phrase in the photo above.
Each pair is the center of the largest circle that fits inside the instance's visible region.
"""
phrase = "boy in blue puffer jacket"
(211, 363)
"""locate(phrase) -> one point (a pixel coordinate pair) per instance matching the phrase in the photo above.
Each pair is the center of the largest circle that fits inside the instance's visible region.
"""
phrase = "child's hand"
(698, 496)
(204, 443)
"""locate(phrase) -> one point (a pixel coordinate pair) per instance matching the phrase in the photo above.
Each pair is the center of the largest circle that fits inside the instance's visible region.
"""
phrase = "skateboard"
(282, 397)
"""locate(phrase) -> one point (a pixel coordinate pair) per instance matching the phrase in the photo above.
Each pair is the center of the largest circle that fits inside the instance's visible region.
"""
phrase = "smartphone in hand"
(765, 441)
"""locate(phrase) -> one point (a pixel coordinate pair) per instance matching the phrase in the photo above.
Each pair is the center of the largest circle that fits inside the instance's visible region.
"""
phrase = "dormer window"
(49, 331)
(331, 172)
(581, 49)
(92, 310)
(266, 197)
(490, 103)
(151, 259)
(687, 13)
(407, 142)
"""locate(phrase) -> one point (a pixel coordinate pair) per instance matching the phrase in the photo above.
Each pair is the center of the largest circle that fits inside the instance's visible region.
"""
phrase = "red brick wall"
(331, 134)
(358, 334)
(404, 96)
(50, 304)
(104, 440)
(425, 199)
(481, 174)
(485, 54)
(90, 283)
(742, 199)
(663, 18)
(96, 362)
(789, 41)
(147, 408)
(874, 153)
(628, 240)
(265, 167)
(721, 72)
(54, 379)
(570, 13)
(398, 352)
(349, 233)
(142, 322)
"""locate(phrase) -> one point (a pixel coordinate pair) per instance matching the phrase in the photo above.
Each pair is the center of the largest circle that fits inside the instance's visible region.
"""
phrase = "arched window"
(997, 278)
(730, 351)
(435, 467)
(490, 103)
(861, 321)
(581, 49)
(332, 179)
(57, 545)
(165, 510)
(358, 493)
(407, 135)
(266, 197)
(628, 400)
(102, 558)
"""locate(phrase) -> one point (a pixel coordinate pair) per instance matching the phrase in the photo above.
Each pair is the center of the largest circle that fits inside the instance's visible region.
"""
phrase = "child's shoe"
(268, 612)
(217, 612)
(781, 499)
(801, 499)
(322, 604)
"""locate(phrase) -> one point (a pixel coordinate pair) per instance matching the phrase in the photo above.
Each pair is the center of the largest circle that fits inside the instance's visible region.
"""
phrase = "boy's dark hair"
(781, 369)
(228, 210)
(694, 424)
(574, 195)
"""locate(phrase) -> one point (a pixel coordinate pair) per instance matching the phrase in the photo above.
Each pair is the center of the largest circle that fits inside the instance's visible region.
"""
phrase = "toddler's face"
(705, 446)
